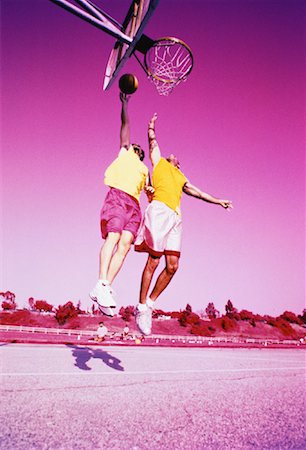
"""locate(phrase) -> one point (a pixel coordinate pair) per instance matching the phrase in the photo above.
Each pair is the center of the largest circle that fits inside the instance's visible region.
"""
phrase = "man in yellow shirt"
(120, 217)
(161, 229)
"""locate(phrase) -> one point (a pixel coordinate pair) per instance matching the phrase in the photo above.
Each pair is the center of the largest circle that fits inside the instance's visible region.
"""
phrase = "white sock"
(141, 306)
(105, 282)
(150, 303)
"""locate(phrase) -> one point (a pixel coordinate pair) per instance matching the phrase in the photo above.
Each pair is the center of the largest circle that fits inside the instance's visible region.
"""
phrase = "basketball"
(128, 83)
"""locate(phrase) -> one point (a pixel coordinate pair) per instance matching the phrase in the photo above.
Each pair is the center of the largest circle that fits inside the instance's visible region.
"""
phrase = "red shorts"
(120, 212)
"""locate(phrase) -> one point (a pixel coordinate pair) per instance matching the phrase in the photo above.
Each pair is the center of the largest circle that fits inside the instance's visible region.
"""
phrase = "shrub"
(73, 323)
(183, 318)
(189, 318)
(42, 305)
(283, 326)
(227, 323)
(17, 318)
(286, 328)
(271, 321)
(7, 306)
(202, 329)
(160, 312)
(246, 315)
(65, 312)
(127, 312)
(303, 316)
(291, 317)
(259, 318)
(175, 314)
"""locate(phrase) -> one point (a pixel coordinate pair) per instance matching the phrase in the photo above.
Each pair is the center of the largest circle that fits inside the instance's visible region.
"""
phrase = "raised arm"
(153, 145)
(193, 191)
(125, 123)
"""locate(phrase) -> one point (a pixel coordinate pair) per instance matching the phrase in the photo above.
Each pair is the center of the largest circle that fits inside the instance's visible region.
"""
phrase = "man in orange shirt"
(161, 230)
(126, 177)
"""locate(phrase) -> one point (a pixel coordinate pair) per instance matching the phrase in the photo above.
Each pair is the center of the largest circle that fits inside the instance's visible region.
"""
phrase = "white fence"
(154, 337)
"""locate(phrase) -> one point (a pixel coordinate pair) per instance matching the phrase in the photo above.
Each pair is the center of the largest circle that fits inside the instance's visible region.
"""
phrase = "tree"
(211, 311)
(127, 312)
(303, 316)
(9, 303)
(42, 305)
(188, 308)
(31, 302)
(231, 311)
(65, 312)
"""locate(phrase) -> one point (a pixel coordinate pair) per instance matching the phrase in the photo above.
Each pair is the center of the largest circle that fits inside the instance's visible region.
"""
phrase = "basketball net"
(168, 62)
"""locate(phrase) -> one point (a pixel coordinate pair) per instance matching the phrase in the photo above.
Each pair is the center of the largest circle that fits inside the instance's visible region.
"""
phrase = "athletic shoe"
(144, 320)
(149, 316)
(102, 295)
(107, 311)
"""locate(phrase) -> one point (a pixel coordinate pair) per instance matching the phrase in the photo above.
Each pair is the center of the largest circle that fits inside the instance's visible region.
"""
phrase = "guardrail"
(154, 337)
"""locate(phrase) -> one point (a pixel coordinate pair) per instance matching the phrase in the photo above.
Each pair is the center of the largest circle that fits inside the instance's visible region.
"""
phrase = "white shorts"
(160, 232)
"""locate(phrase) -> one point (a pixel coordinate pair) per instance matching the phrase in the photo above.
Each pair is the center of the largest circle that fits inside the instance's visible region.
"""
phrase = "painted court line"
(153, 372)
(191, 352)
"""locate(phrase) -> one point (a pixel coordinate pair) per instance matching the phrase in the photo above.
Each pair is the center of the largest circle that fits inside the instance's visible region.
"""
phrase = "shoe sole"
(94, 299)
(106, 310)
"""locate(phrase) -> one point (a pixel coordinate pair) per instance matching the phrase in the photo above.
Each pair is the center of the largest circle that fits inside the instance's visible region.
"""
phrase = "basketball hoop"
(168, 61)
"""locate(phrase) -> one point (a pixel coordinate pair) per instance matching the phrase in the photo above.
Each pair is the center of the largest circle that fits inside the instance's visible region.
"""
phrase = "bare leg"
(106, 253)
(118, 257)
(166, 276)
(147, 275)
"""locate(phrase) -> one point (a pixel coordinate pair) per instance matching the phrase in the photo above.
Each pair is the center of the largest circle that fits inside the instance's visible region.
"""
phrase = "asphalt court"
(82, 397)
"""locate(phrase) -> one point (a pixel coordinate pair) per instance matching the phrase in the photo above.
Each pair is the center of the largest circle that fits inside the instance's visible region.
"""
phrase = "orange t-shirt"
(168, 182)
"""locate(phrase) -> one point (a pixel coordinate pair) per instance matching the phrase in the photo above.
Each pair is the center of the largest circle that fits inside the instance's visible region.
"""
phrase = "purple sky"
(237, 126)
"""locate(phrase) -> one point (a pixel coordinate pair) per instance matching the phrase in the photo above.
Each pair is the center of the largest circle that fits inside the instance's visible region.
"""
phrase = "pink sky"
(237, 126)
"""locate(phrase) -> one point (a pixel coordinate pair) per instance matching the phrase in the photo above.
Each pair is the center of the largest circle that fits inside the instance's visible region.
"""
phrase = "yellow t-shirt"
(168, 182)
(127, 173)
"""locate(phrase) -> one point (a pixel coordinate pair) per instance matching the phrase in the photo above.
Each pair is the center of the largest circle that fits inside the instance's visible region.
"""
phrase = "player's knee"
(153, 263)
(123, 247)
(172, 267)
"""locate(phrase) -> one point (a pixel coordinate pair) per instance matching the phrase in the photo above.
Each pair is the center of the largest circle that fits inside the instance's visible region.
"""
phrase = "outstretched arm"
(193, 191)
(153, 145)
(125, 123)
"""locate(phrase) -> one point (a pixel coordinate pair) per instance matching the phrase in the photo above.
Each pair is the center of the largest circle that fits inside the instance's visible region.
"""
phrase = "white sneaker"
(102, 295)
(144, 320)
(110, 312)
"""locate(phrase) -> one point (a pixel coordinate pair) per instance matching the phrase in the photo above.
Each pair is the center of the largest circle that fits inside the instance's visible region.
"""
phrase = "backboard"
(134, 23)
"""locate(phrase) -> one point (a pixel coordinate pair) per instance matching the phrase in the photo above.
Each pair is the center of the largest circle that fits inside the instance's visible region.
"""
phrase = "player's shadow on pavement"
(84, 354)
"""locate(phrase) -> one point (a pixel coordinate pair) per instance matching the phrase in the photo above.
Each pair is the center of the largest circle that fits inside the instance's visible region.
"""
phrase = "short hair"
(139, 151)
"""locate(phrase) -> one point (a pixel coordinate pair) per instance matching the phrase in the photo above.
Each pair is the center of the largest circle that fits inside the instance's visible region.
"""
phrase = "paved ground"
(139, 398)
